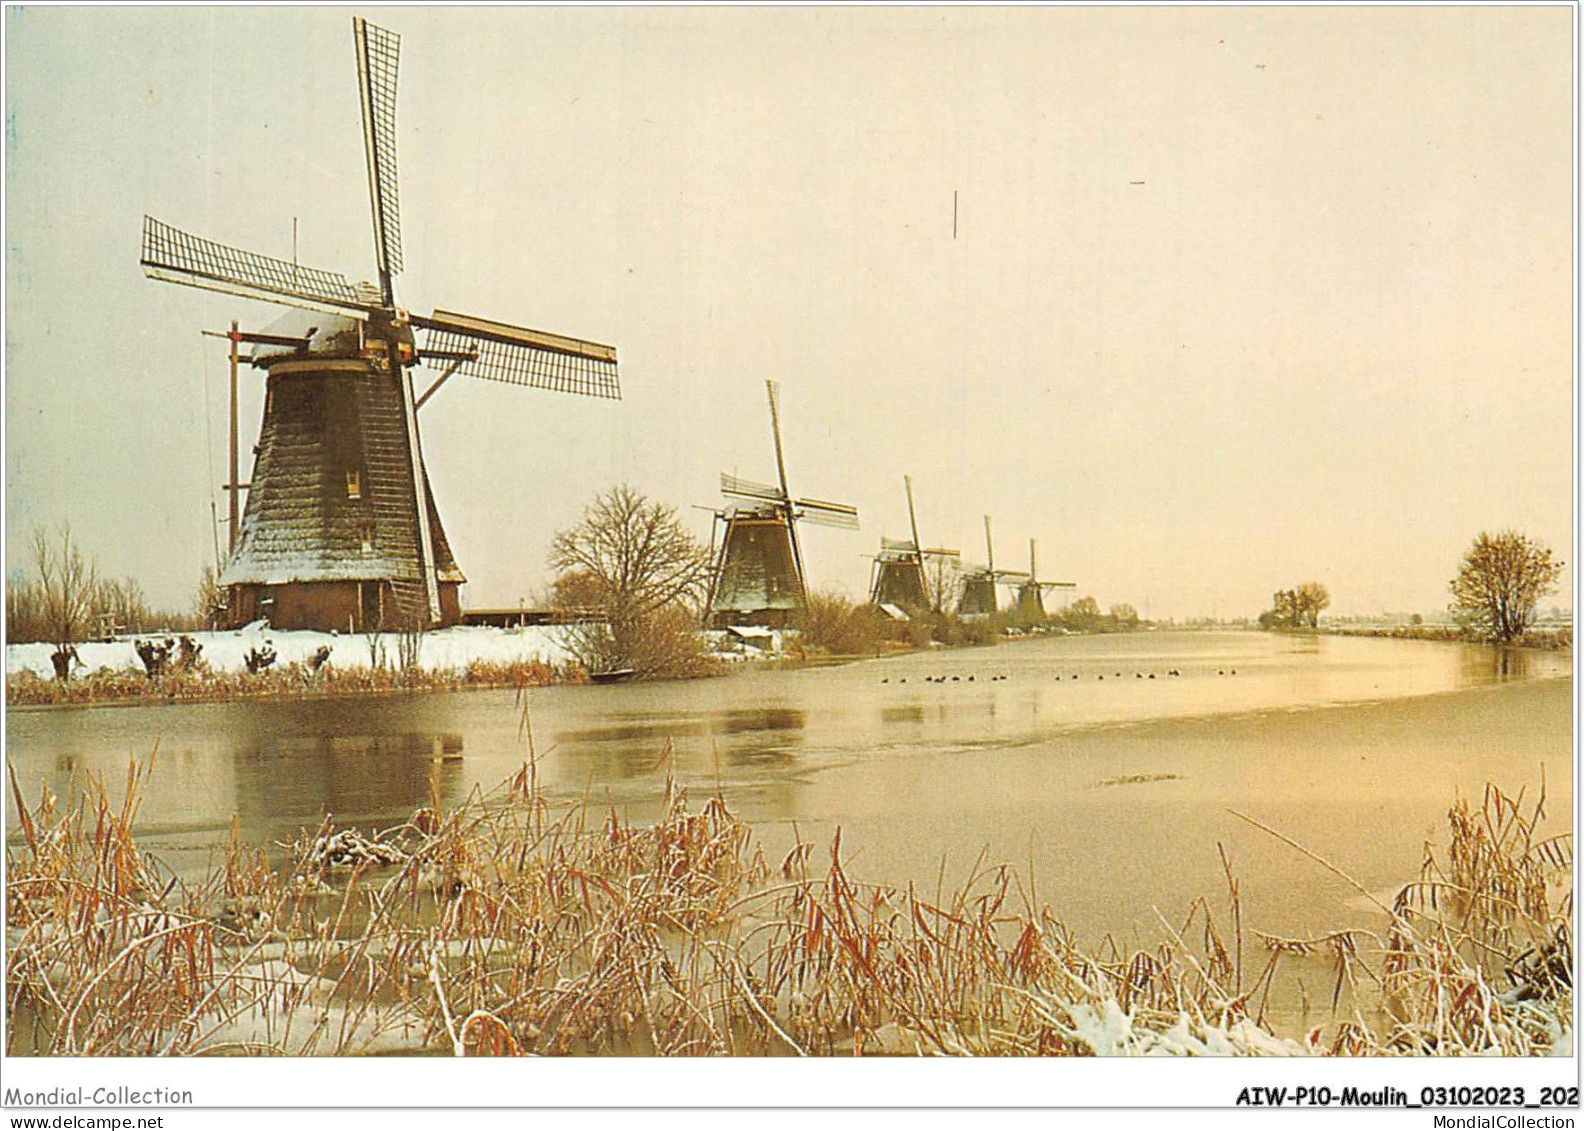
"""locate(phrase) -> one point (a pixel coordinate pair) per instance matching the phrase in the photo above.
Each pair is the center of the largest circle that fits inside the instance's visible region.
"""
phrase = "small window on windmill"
(354, 484)
(366, 533)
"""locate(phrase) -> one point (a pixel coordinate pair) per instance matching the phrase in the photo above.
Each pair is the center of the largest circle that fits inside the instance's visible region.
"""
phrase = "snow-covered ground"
(443, 649)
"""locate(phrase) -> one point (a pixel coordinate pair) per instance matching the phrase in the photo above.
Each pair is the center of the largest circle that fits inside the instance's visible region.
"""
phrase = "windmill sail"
(735, 487)
(378, 57)
(174, 256)
(839, 515)
(517, 355)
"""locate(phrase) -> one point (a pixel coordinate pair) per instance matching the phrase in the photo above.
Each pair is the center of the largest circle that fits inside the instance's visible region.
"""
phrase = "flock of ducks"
(1000, 678)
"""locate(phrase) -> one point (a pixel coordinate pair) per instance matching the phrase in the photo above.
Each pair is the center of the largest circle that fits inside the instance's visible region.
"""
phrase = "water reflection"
(761, 734)
(762, 718)
(651, 731)
(753, 755)
(1497, 665)
(349, 775)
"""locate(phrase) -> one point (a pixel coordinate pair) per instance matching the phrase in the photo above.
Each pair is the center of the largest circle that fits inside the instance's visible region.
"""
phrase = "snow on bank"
(442, 650)
(1109, 1031)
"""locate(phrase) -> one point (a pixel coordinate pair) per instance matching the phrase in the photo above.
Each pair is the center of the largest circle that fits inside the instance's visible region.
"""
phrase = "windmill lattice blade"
(379, 55)
(735, 487)
(519, 356)
(180, 257)
(839, 515)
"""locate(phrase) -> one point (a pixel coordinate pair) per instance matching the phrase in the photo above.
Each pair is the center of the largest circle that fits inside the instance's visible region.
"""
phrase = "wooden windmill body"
(980, 596)
(900, 576)
(759, 577)
(340, 529)
(1031, 592)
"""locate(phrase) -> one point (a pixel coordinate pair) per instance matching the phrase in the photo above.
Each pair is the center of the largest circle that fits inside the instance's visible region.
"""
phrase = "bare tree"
(67, 580)
(630, 562)
(120, 606)
(942, 581)
(24, 610)
(1499, 583)
(210, 604)
(409, 647)
(636, 555)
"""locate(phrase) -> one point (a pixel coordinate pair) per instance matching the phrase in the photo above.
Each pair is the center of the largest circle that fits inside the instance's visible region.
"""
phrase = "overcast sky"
(1237, 297)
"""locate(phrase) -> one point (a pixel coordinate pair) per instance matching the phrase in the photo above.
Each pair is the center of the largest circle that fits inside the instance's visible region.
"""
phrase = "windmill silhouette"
(759, 576)
(341, 529)
(900, 576)
(979, 594)
(1030, 605)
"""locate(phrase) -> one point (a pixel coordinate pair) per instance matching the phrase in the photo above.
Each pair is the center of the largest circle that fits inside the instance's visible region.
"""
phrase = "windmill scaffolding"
(759, 577)
(340, 529)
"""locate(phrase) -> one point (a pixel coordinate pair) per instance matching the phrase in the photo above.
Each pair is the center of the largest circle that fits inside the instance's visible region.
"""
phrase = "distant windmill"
(900, 576)
(1031, 593)
(341, 529)
(759, 576)
(979, 597)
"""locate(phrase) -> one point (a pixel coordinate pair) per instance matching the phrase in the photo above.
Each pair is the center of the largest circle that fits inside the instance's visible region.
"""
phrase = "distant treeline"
(61, 598)
(1550, 639)
(835, 626)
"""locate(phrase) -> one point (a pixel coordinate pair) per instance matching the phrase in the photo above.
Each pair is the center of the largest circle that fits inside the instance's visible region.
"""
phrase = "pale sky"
(1329, 335)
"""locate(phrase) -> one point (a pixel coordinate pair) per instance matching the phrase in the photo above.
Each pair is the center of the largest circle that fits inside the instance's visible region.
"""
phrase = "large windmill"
(341, 530)
(1031, 592)
(759, 577)
(900, 576)
(979, 597)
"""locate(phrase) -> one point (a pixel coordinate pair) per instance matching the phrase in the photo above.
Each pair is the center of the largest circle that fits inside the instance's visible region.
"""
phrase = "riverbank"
(293, 682)
(302, 665)
(314, 665)
(511, 926)
(1548, 640)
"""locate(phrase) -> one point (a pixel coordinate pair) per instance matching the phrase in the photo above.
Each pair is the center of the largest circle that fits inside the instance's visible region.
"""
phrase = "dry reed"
(289, 681)
(507, 926)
